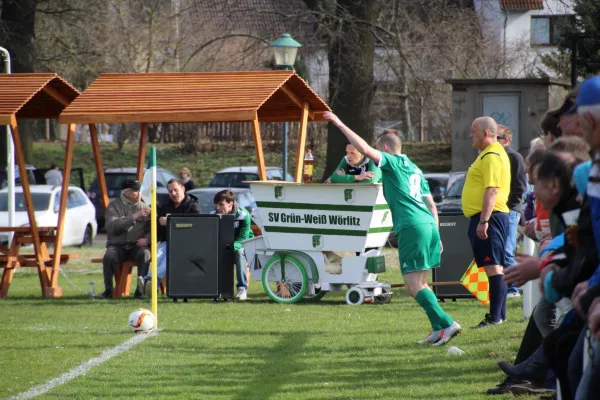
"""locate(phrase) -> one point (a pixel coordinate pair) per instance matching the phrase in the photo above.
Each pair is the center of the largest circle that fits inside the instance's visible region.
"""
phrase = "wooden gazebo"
(247, 97)
(35, 96)
(251, 97)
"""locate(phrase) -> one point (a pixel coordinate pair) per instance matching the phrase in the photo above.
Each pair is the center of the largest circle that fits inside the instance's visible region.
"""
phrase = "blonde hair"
(537, 142)
(185, 170)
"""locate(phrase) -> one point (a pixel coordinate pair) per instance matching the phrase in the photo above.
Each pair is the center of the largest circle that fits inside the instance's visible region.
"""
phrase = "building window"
(548, 30)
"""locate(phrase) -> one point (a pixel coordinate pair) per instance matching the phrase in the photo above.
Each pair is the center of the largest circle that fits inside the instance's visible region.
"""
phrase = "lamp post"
(10, 155)
(285, 50)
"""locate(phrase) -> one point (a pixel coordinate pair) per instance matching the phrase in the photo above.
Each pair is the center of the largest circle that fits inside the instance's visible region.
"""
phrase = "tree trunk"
(351, 79)
(17, 35)
(404, 106)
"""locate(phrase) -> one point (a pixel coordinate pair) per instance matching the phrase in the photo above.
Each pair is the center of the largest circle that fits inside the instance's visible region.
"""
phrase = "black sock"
(497, 296)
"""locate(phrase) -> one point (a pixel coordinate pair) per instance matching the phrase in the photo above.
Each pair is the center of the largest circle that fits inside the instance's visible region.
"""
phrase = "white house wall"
(522, 57)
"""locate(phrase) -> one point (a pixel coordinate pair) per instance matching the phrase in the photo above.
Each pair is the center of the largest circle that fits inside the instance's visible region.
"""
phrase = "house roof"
(195, 97)
(521, 4)
(263, 18)
(38, 96)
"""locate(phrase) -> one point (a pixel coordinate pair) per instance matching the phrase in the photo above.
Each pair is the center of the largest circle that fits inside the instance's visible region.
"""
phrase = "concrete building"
(516, 103)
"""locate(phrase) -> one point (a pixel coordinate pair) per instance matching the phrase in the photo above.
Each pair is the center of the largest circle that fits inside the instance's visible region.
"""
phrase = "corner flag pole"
(153, 232)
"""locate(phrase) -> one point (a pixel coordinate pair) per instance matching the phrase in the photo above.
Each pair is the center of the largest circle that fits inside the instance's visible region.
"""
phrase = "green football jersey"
(404, 187)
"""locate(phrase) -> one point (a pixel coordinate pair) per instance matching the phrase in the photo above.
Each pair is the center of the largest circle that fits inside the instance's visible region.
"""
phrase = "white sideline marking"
(81, 369)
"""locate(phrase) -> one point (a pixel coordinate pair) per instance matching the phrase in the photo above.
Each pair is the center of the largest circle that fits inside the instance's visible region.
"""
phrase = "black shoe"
(138, 294)
(488, 321)
(504, 386)
(107, 294)
(525, 371)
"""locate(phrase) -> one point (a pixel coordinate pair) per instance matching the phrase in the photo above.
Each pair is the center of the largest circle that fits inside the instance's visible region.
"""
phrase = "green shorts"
(419, 248)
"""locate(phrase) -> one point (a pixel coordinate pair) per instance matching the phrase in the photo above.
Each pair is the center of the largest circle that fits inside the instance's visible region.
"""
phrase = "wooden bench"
(10, 259)
(123, 278)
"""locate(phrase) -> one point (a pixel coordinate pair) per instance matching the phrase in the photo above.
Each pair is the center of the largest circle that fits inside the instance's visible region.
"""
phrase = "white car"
(80, 220)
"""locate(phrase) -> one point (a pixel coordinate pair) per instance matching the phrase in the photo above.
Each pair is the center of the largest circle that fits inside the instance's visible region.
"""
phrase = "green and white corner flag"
(149, 196)
(149, 180)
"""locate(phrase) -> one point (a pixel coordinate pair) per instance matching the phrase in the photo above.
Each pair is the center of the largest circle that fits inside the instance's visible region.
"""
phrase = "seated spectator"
(225, 203)
(355, 167)
(179, 203)
(186, 179)
(127, 227)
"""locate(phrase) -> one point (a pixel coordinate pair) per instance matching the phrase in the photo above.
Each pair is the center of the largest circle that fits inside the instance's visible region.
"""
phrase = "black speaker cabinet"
(456, 258)
(200, 256)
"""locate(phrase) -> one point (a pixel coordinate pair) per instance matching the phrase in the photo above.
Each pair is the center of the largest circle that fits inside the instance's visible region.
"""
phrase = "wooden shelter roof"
(33, 96)
(195, 97)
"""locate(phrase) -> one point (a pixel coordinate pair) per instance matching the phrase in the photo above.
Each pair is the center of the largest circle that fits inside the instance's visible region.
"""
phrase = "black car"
(452, 202)
(115, 176)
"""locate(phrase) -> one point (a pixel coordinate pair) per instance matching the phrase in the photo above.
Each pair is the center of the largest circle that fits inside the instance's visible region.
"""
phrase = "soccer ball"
(142, 321)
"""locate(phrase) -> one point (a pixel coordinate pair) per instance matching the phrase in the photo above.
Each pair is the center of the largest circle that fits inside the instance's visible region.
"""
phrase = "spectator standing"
(484, 201)
(518, 187)
(53, 176)
(186, 179)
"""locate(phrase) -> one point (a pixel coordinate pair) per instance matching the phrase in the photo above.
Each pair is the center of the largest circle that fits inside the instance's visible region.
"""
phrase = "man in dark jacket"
(179, 203)
(518, 187)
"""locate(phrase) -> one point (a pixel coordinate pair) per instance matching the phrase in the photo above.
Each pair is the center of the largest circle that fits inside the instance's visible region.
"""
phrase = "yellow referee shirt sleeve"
(491, 168)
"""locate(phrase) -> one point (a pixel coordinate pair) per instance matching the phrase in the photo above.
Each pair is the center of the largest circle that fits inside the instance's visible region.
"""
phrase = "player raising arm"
(415, 223)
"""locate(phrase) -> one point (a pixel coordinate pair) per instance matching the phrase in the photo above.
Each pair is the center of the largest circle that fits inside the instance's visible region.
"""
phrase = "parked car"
(115, 176)
(452, 202)
(234, 177)
(437, 185)
(80, 220)
(243, 196)
(30, 175)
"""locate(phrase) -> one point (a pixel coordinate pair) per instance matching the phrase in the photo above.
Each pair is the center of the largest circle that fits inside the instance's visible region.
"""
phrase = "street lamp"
(285, 49)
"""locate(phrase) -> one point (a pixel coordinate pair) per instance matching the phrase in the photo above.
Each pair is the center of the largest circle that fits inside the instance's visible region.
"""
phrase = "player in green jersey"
(415, 223)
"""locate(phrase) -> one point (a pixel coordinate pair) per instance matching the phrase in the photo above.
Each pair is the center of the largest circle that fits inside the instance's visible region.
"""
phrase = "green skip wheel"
(284, 279)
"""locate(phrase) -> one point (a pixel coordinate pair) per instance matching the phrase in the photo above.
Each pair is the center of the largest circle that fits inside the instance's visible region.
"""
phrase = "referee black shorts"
(491, 250)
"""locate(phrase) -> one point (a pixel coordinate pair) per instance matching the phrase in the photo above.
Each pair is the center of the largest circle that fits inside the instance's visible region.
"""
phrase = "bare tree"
(17, 35)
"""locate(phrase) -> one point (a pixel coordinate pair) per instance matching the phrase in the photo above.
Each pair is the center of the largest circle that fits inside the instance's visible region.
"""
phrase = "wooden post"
(260, 157)
(54, 290)
(98, 163)
(28, 202)
(301, 143)
(142, 152)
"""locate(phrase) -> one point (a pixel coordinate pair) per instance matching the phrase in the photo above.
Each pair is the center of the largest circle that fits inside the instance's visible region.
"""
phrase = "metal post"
(285, 150)
(10, 157)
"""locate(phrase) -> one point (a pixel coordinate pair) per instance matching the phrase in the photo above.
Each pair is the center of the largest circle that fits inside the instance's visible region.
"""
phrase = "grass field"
(431, 157)
(252, 350)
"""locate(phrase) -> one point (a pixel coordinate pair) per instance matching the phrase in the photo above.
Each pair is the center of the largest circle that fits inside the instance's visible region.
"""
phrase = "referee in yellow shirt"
(484, 198)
